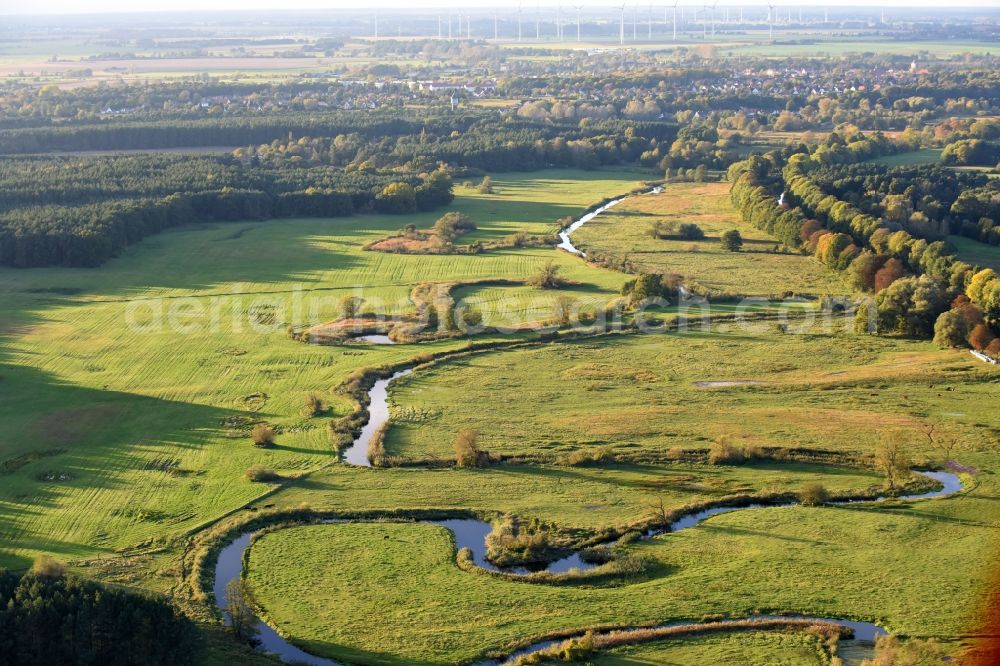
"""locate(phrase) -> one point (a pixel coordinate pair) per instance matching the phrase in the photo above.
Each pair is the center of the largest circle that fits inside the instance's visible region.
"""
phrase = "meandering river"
(471, 533)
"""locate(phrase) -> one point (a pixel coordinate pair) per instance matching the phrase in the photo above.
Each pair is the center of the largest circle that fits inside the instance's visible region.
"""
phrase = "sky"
(116, 6)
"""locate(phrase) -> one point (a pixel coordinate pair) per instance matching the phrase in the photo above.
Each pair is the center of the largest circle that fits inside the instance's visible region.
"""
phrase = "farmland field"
(624, 233)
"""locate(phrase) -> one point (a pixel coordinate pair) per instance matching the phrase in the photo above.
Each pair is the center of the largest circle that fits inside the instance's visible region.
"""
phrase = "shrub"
(467, 453)
(314, 405)
(599, 456)
(732, 240)
(450, 225)
(813, 494)
(45, 566)
(675, 453)
(691, 231)
(486, 186)
(547, 277)
(724, 452)
(350, 306)
(890, 651)
(262, 435)
(512, 542)
(261, 474)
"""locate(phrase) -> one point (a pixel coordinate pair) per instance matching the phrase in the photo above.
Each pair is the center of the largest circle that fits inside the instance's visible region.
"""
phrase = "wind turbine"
(578, 8)
(538, 21)
(714, 5)
(621, 25)
(439, 26)
(635, 21)
(496, 28)
(770, 21)
(675, 19)
(376, 25)
(519, 21)
(650, 24)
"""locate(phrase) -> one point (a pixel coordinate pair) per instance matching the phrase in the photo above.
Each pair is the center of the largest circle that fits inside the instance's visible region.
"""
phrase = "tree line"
(915, 281)
(81, 211)
(40, 225)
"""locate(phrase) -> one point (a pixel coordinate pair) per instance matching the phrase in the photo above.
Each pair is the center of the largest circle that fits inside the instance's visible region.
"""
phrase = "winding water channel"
(567, 244)
(471, 533)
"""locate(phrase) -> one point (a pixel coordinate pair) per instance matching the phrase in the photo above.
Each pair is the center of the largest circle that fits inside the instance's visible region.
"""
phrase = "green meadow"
(118, 385)
(391, 594)
(750, 649)
(641, 395)
(974, 252)
(757, 270)
(127, 393)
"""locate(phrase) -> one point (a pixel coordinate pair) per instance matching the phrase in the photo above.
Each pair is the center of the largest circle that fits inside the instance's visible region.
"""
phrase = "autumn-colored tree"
(950, 329)
(889, 273)
(981, 337)
(46, 566)
(863, 269)
(891, 458)
(809, 228)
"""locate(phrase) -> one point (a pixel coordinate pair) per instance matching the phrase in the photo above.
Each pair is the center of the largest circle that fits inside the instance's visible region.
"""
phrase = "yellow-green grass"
(391, 593)
(757, 270)
(974, 252)
(590, 498)
(134, 419)
(743, 648)
(639, 394)
(911, 158)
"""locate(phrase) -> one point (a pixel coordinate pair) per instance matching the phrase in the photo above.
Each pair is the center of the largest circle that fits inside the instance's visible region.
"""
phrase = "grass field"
(641, 394)
(392, 592)
(125, 392)
(974, 252)
(131, 423)
(912, 158)
(746, 649)
(755, 271)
